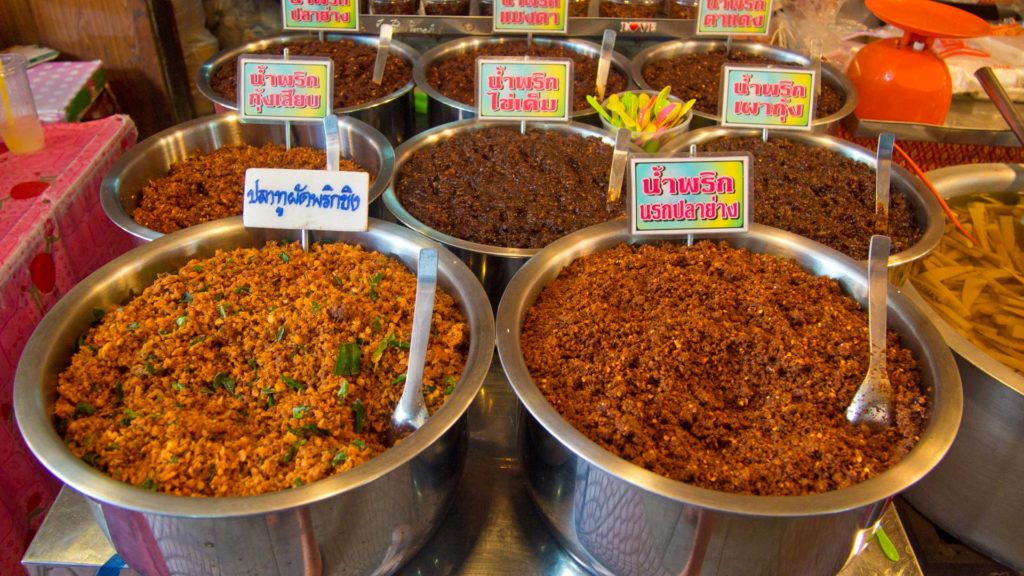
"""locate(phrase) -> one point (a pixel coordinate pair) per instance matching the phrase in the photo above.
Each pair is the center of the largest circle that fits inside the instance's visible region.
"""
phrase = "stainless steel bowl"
(368, 520)
(153, 157)
(618, 518)
(393, 115)
(442, 109)
(494, 266)
(975, 492)
(829, 74)
(926, 208)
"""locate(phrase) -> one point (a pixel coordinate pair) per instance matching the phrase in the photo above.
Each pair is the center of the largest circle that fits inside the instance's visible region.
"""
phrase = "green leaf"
(97, 315)
(297, 482)
(280, 334)
(343, 389)
(293, 383)
(316, 306)
(360, 415)
(133, 326)
(221, 380)
(398, 379)
(290, 454)
(376, 324)
(308, 430)
(180, 320)
(374, 281)
(177, 386)
(119, 391)
(197, 268)
(84, 408)
(348, 362)
(91, 458)
(299, 411)
(284, 257)
(243, 289)
(148, 484)
(339, 458)
(197, 340)
(358, 443)
(186, 298)
(222, 311)
(888, 548)
(269, 393)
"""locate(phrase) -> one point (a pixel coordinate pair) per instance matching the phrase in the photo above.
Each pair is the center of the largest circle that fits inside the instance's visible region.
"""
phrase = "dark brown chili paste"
(717, 367)
(456, 76)
(820, 194)
(353, 71)
(498, 187)
(699, 76)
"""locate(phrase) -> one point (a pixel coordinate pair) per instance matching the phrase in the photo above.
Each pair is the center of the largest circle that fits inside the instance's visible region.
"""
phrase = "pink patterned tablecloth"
(54, 234)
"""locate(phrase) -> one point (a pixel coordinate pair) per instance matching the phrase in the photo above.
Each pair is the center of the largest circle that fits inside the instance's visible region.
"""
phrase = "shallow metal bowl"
(494, 266)
(152, 158)
(618, 518)
(975, 492)
(442, 109)
(829, 74)
(393, 114)
(364, 521)
(926, 208)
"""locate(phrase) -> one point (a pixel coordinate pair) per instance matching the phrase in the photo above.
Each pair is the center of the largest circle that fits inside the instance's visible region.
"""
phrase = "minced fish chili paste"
(699, 76)
(456, 76)
(717, 367)
(820, 194)
(499, 187)
(210, 186)
(252, 371)
(353, 71)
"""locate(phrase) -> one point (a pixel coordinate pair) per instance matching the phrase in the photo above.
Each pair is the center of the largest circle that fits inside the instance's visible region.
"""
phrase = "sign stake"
(607, 49)
(383, 47)
(619, 158)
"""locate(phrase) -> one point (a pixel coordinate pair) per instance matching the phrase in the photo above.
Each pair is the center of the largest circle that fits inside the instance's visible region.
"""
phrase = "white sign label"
(306, 199)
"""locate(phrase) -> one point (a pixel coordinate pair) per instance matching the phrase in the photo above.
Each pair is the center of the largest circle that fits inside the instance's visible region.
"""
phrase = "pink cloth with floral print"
(54, 234)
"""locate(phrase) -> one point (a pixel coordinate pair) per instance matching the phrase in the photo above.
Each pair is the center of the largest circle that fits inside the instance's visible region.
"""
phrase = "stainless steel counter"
(491, 530)
(970, 121)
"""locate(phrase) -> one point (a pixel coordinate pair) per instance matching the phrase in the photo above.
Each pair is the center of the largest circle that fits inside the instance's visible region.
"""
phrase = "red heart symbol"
(634, 26)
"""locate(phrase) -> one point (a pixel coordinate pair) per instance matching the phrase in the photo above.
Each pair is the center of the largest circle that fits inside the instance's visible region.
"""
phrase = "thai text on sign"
(521, 89)
(528, 16)
(689, 195)
(305, 199)
(339, 15)
(726, 17)
(780, 98)
(279, 89)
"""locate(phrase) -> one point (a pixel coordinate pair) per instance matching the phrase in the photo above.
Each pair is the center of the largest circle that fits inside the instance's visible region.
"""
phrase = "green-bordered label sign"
(780, 98)
(729, 17)
(279, 89)
(531, 16)
(689, 195)
(337, 15)
(521, 89)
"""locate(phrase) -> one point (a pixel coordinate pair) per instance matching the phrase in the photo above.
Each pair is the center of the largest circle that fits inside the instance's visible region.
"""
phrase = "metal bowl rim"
(428, 137)
(46, 445)
(910, 185)
(206, 69)
(936, 439)
(110, 194)
(452, 48)
(828, 72)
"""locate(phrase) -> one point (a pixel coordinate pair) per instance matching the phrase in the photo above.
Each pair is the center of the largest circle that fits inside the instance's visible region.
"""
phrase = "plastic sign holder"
(733, 17)
(676, 196)
(521, 89)
(776, 98)
(324, 15)
(531, 17)
(292, 89)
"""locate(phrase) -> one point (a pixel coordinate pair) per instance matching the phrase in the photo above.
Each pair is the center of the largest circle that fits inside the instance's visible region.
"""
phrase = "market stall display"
(447, 73)
(387, 107)
(975, 292)
(410, 485)
(147, 166)
(693, 69)
(611, 513)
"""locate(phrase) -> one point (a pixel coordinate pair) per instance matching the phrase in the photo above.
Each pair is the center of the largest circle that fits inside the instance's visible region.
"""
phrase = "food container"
(153, 157)
(629, 9)
(652, 141)
(681, 9)
(442, 109)
(926, 208)
(494, 266)
(616, 517)
(829, 74)
(395, 7)
(975, 493)
(446, 7)
(392, 115)
(368, 520)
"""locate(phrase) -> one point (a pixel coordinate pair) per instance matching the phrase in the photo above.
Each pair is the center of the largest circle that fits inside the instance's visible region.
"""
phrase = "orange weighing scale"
(901, 79)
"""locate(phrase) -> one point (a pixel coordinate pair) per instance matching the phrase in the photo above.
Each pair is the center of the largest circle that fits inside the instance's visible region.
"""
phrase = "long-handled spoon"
(872, 404)
(411, 413)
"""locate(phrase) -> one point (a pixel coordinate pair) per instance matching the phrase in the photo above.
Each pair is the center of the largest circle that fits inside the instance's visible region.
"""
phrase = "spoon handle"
(411, 402)
(878, 281)
(883, 169)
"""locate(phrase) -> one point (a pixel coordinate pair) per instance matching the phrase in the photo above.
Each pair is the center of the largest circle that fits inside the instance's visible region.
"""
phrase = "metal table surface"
(970, 121)
(492, 529)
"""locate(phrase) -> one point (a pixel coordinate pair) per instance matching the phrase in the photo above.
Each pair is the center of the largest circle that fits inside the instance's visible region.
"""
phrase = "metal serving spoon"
(872, 404)
(411, 413)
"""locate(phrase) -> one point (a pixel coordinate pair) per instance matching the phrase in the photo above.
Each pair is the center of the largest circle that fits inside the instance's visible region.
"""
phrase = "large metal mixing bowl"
(926, 208)
(393, 114)
(618, 518)
(829, 74)
(493, 265)
(368, 520)
(442, 109)
(975, 492)
(152, 158)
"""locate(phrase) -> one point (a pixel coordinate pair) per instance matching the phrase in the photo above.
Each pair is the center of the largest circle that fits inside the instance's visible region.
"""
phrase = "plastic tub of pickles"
(977, 292)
